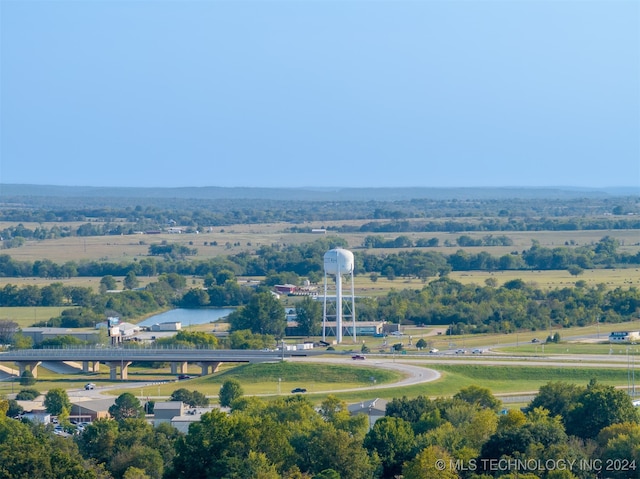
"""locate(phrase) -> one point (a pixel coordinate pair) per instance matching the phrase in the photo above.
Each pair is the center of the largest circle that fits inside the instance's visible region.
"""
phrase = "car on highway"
(461, 351)
(535, 340)
(433, 350)
(89, 386)
(358, 356)
(396, 333)
(183, 376)
(477, 351)
(298, 390)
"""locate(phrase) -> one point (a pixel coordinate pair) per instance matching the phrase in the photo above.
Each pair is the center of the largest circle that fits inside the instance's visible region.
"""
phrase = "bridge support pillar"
(209, 365)
(91, 366)
(179, 367)
(113, 369)
(29, 365)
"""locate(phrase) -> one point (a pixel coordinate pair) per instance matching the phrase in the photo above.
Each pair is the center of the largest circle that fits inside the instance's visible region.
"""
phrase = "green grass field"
(633, 350)
(27, 316)
(321, 380)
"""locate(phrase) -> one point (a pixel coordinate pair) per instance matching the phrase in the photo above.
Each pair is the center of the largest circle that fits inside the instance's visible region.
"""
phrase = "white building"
(624, 337)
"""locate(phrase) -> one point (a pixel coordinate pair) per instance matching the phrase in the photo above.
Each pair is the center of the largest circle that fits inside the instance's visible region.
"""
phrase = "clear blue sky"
(320, 93)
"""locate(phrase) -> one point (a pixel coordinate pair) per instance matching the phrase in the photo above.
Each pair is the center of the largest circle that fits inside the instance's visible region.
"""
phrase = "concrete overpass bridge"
(119, 359)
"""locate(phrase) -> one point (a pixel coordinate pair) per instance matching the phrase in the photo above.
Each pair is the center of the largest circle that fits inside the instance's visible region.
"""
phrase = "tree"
(126, 406)
(27, 378)
(20, 341)
(309, 316)
(255, 466)
(264, 314)
(131, 280)
(491, 282)
(557, 397)
(190, 339)
(428, 465)
(7, 330)
(421, 344)
(14, 408)
(204, 451)
(137, 456)
(325, 447)
(597, 407)
(622, 448)
(225, 275)
(98, 441)
(28, 451)
(27, 394)
(191, 398)
(57, 402)
(245, 339)
(195, 298)
(135, 473)
(229, 392)
(479, 396)
(394, 442)
(575, 270)
(108, 283)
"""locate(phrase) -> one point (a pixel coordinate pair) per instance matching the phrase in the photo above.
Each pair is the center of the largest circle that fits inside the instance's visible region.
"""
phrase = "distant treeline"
(511, 307)
(451, 215)
(306, 260)
(15, 236)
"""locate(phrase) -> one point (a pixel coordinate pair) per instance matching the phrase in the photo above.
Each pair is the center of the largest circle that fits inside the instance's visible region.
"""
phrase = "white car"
(433, 350)
(89, 386)
(396, 333)
(477, 351)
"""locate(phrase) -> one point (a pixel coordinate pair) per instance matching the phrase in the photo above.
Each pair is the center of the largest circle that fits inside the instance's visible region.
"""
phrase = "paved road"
(412, 374)
(414, 368)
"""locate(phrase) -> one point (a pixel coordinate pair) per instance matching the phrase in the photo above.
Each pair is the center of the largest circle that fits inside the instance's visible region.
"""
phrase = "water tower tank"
(338, 261)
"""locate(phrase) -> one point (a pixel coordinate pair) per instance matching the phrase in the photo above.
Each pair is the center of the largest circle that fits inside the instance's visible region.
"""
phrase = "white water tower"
(338, 262)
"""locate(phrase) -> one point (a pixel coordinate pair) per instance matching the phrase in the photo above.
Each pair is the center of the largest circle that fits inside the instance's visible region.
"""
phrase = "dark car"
(184, 376)
(298, 390)
(535, 340)
(358, 356)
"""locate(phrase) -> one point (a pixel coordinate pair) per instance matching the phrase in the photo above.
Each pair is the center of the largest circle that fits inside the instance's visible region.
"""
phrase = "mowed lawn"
(27, 316)
(273, 379)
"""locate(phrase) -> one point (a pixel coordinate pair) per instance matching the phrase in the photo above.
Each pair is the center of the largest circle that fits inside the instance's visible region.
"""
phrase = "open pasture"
(27, 316)
(234, 239)
(555, 279)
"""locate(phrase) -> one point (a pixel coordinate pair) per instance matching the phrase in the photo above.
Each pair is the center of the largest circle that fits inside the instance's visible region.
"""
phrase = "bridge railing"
(150, 354)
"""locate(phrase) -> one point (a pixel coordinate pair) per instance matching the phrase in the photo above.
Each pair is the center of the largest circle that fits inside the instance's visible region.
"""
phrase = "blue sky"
(320, 93)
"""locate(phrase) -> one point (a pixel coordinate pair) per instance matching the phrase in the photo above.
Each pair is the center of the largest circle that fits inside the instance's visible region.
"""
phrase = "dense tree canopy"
(263, 315)
(289, 437)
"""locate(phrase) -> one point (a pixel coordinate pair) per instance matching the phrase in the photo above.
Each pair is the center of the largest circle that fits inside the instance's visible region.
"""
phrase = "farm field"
(235, 239)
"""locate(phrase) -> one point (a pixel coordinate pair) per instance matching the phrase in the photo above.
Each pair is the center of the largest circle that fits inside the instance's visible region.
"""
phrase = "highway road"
(416, 369)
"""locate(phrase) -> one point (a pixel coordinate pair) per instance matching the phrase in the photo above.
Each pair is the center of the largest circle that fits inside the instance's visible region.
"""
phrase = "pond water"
(188, 316)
